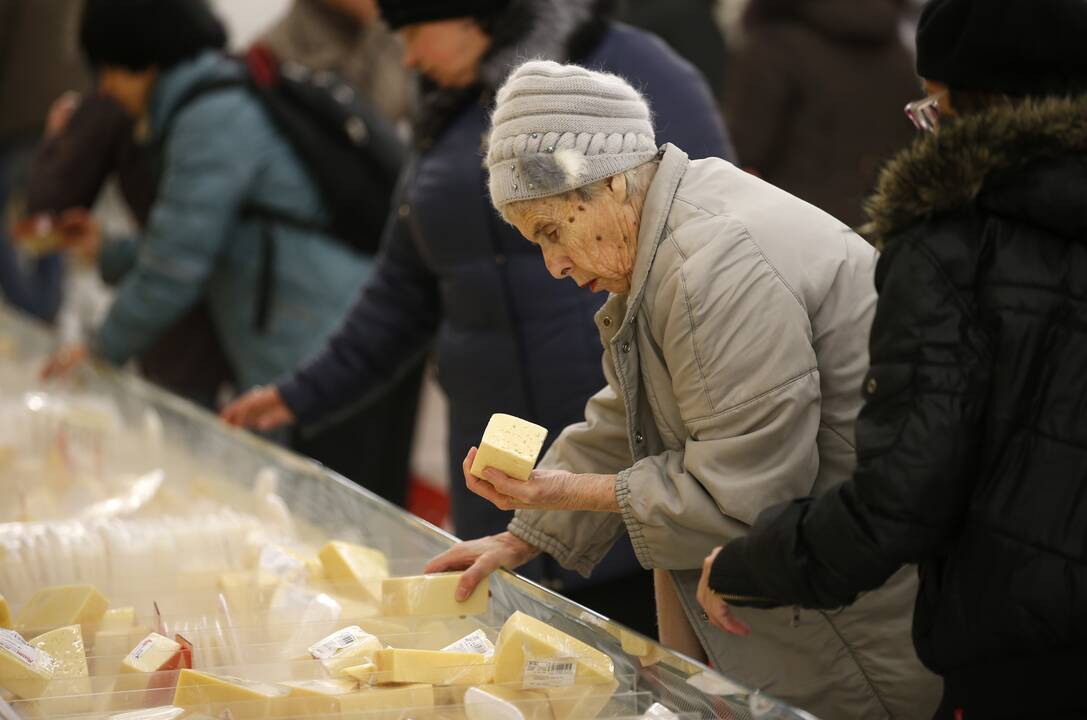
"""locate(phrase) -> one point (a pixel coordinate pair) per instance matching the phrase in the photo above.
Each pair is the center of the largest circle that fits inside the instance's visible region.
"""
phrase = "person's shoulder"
(636, 53)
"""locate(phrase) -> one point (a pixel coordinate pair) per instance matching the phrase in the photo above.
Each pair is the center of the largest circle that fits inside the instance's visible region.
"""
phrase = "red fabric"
(428, 502)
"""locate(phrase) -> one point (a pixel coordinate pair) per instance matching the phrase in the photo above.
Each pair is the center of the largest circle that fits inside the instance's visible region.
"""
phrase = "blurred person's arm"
(757, 101)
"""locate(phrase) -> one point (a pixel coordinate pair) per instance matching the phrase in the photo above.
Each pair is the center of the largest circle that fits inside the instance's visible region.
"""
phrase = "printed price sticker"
(477, 642)
(549, 673)
(139, 650)
(22, 650)
(337, 642)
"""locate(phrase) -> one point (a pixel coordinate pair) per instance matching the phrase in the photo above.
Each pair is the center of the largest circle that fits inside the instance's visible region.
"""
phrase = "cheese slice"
(63, 605)
(5, 613)
(354, 570)
(496, 702)
(215, 694)
(584, 702)
(118, 619)
(25, 670)
(338, 697)
(436, 667)
(432, 595)
(69, 693)
(345, 648)
(647, 652)
(525, 645)
(511, 445)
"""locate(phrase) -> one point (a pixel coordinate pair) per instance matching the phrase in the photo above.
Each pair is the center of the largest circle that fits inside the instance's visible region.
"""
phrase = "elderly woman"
(734, 350)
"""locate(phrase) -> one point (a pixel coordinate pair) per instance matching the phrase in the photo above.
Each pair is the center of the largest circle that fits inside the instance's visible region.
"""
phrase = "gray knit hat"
(557, 127)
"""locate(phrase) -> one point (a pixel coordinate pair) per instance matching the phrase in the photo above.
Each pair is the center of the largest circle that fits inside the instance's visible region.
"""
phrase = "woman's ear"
(617, 185)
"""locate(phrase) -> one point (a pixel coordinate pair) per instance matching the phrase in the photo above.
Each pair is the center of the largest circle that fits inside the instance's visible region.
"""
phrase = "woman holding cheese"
(734, 341)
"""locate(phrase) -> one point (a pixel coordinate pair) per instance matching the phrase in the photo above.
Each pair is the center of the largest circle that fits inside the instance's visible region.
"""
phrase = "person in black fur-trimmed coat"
(972, 445)
(454, 276)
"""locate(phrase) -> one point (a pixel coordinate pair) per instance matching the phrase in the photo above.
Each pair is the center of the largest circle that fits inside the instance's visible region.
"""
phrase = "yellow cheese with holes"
(511, 445)
(436, 667)
(497, 702)
(69, 693)
(525, 639)
(5, 613)
(583, 702)
(345, 648)
(432, 595)
(216, 694)
(340, 698)
(354, 570)
(25, 670)
(63, 605)
(118, 620)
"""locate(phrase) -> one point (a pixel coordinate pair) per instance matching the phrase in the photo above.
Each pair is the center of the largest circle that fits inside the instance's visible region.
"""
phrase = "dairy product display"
(155, 565)
(511, 445)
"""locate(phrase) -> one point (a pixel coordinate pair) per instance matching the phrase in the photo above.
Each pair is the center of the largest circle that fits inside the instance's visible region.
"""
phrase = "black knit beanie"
(1018, 47)
(398, 13)
(138, 34)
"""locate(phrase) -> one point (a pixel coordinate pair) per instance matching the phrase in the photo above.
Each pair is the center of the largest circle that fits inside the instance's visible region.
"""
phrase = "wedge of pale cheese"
(354, 570)
(432, 595)
(511, 445)
(5, 613)
(531, 654)
(111, 647)
(63, 605)
(335, 698)
(69, 693)
(25, 670)
(155, 652)
(495, 702)
(584, 702)
(150, 668)
(247, 592)
(345, 648)
(216, 694)
(118, 620)
(436, 667)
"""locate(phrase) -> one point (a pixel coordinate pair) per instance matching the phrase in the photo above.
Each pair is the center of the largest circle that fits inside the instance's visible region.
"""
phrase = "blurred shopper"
(809, 85)
(451, 273)
(972, 443)
(39, 60)
(235, 222)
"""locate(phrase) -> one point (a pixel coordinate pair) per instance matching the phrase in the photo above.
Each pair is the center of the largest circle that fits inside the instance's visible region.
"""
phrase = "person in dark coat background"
(809, 85)
(972, 443)
(452, 273)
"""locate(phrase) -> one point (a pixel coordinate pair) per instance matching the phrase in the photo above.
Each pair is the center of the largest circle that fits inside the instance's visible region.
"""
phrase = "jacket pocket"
(888, 396)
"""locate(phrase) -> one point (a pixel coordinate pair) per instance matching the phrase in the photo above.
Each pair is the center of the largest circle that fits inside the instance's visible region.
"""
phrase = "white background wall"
(247, 18)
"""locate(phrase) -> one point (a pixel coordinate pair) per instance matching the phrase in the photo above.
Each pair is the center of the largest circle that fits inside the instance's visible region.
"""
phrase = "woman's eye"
(553, 234)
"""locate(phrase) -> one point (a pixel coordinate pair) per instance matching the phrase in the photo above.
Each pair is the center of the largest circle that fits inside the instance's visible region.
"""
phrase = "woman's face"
(446, 51)
(592, 242)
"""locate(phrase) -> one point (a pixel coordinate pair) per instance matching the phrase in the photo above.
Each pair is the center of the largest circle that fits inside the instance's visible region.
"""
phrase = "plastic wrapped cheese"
(25, 670)
(63, 605)
(216, 694)
(69, 692)
(342, 698)
(531, 654)
(354, 569)
(345, 648)
(511, 445)
(436, 667)
(496, 702)
(432, 595)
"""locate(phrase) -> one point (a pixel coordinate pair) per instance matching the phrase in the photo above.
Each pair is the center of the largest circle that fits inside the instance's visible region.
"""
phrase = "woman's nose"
(558, 265)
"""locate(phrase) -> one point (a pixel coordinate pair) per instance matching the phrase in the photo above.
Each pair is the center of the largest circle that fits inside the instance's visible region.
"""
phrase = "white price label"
(337, 642)
(477, 642)
(549, 673)
(23, 651)
(139, 650)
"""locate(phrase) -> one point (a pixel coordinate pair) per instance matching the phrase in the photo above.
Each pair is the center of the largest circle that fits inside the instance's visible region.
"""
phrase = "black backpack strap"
(195, 93)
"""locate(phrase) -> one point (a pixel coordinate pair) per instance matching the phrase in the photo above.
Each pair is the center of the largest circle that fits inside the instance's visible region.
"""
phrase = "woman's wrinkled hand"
(544, 489)
(65, 361)
(717, 610)
(261, 408)
(479, 558)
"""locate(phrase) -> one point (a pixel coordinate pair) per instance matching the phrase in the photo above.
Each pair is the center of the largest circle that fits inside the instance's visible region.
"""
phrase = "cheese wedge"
(354, 570)
(25, 670)
(647, 652)
(288, 564)
(148, 669)
(118, 619)
(215, 694)
(436, 667)
(532, 654)
(511, 445)
(495, 702)
(5, 613)
(342, 698)
(69, 693)
(247, 592)
(583, 702)
(63, 605)
(345, 648)
(111, 647)
(155, 652)
(432, 595)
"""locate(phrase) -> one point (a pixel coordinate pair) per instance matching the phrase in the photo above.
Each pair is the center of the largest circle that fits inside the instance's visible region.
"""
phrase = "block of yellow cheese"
(69, 693)
(431, 595)
(216, 694)
(436, 667)
(155, 652)
(345, 648)
(497, 702)
(342, 698)
(25, 670)
(583, 702)
(5, 613)
(511, 445)
(63, 605)
(118, 619)
(147, 669)
(531, 654)
(354, 569)
(247, 592)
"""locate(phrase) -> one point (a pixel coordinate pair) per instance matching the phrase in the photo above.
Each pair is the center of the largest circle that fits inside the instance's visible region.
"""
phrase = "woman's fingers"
(454, 558)
(486, 564)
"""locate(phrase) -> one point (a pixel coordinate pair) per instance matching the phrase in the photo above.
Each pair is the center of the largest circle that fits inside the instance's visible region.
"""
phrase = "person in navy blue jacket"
(454, 277)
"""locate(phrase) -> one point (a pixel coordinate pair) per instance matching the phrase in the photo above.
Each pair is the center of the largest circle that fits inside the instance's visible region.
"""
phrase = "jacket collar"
(972, 155)
(174, 83)
(652, 227)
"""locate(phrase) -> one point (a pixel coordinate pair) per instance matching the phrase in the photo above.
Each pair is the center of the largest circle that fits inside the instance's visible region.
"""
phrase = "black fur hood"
(559, 30)
(1002, 152)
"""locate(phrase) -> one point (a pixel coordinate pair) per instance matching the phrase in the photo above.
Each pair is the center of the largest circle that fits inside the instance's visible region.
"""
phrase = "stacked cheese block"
(300, 635)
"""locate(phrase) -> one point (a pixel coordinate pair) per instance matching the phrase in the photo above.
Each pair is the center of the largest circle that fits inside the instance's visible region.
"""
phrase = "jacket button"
(872, 385)
(606, 321)
(639, 438)
(626, 346)
(499, 259)
(403, 211)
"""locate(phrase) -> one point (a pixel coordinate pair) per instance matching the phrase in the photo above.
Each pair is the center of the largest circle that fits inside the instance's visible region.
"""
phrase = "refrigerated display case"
(210, 548)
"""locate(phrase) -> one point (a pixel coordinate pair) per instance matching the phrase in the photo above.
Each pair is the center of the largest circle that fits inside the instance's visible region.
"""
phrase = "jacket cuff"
(634, 525)
(731, 578)
(108, 345)
(299, 399)
(550, 545)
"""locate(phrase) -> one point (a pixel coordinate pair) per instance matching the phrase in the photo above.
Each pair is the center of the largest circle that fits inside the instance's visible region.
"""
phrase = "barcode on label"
(549, 673)
(333, 644)
(477, 642)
